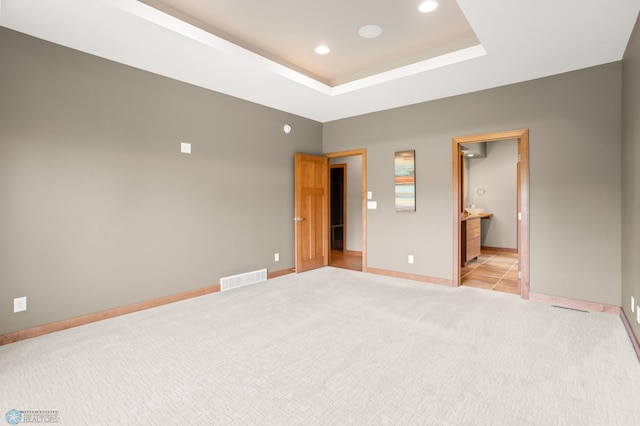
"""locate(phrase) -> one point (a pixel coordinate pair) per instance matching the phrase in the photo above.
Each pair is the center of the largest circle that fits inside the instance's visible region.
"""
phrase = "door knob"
(298, 219)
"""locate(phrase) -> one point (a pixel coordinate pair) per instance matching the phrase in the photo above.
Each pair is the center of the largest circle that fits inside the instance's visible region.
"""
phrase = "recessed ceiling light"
(428, 6)
(286, 128)
(322, 50)
(370, 31)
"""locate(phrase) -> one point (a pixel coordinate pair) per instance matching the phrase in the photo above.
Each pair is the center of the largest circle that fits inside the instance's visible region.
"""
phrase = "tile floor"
(496, 271)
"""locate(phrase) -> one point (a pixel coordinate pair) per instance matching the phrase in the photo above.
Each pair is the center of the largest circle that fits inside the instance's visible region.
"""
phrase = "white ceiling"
(293, 28)
(520, 40)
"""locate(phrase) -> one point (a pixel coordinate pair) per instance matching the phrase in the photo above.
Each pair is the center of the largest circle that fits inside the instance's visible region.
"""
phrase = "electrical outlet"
(638, 314)
(19, 304)
(277, 257)
(410, 259)
(185, 147)
(633, 304)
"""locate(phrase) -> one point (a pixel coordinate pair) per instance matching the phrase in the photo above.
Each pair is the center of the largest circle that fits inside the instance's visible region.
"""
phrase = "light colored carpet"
(333, 347)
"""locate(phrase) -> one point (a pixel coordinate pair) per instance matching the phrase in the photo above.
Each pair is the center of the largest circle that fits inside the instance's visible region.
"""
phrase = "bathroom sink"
(474, 210)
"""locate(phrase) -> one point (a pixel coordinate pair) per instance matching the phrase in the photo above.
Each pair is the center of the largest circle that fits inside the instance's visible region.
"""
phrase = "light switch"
(369, 195)
(185, 148)
(19, 304)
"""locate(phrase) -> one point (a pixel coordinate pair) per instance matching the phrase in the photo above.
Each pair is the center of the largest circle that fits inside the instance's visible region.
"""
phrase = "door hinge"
(519, 158)
(519, 275)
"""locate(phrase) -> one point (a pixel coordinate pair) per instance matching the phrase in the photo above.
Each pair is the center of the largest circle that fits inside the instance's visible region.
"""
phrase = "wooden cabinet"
(470, 236)
(473, 238)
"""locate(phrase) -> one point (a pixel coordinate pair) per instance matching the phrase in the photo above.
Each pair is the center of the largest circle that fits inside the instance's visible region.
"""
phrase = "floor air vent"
(240, 280)
(571, 309)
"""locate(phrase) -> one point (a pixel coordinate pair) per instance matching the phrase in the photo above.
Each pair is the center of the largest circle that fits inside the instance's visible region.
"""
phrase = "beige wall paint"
(631, 177)
(99, 207)
(574, 122)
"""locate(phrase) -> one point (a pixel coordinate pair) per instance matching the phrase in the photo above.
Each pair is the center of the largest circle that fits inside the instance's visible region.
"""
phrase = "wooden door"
(311, 211)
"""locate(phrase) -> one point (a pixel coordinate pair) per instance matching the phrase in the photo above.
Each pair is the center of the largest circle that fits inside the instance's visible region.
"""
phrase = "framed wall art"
(405, 181)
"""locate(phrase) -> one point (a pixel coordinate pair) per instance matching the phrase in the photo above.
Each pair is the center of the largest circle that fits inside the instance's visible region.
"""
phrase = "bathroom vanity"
(470, 236)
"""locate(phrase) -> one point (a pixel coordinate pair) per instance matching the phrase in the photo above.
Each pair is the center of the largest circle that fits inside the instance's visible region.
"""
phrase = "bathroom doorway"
(500, 263)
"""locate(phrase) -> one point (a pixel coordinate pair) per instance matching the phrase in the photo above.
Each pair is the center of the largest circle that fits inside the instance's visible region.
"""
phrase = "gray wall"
(100, 209)
(631, 177)
(575, 187)
(497, 174)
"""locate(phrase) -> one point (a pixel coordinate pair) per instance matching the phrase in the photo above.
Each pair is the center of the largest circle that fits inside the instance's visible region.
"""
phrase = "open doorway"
(347, 231)
(489, 225)
(501, 262)
(338, 207)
